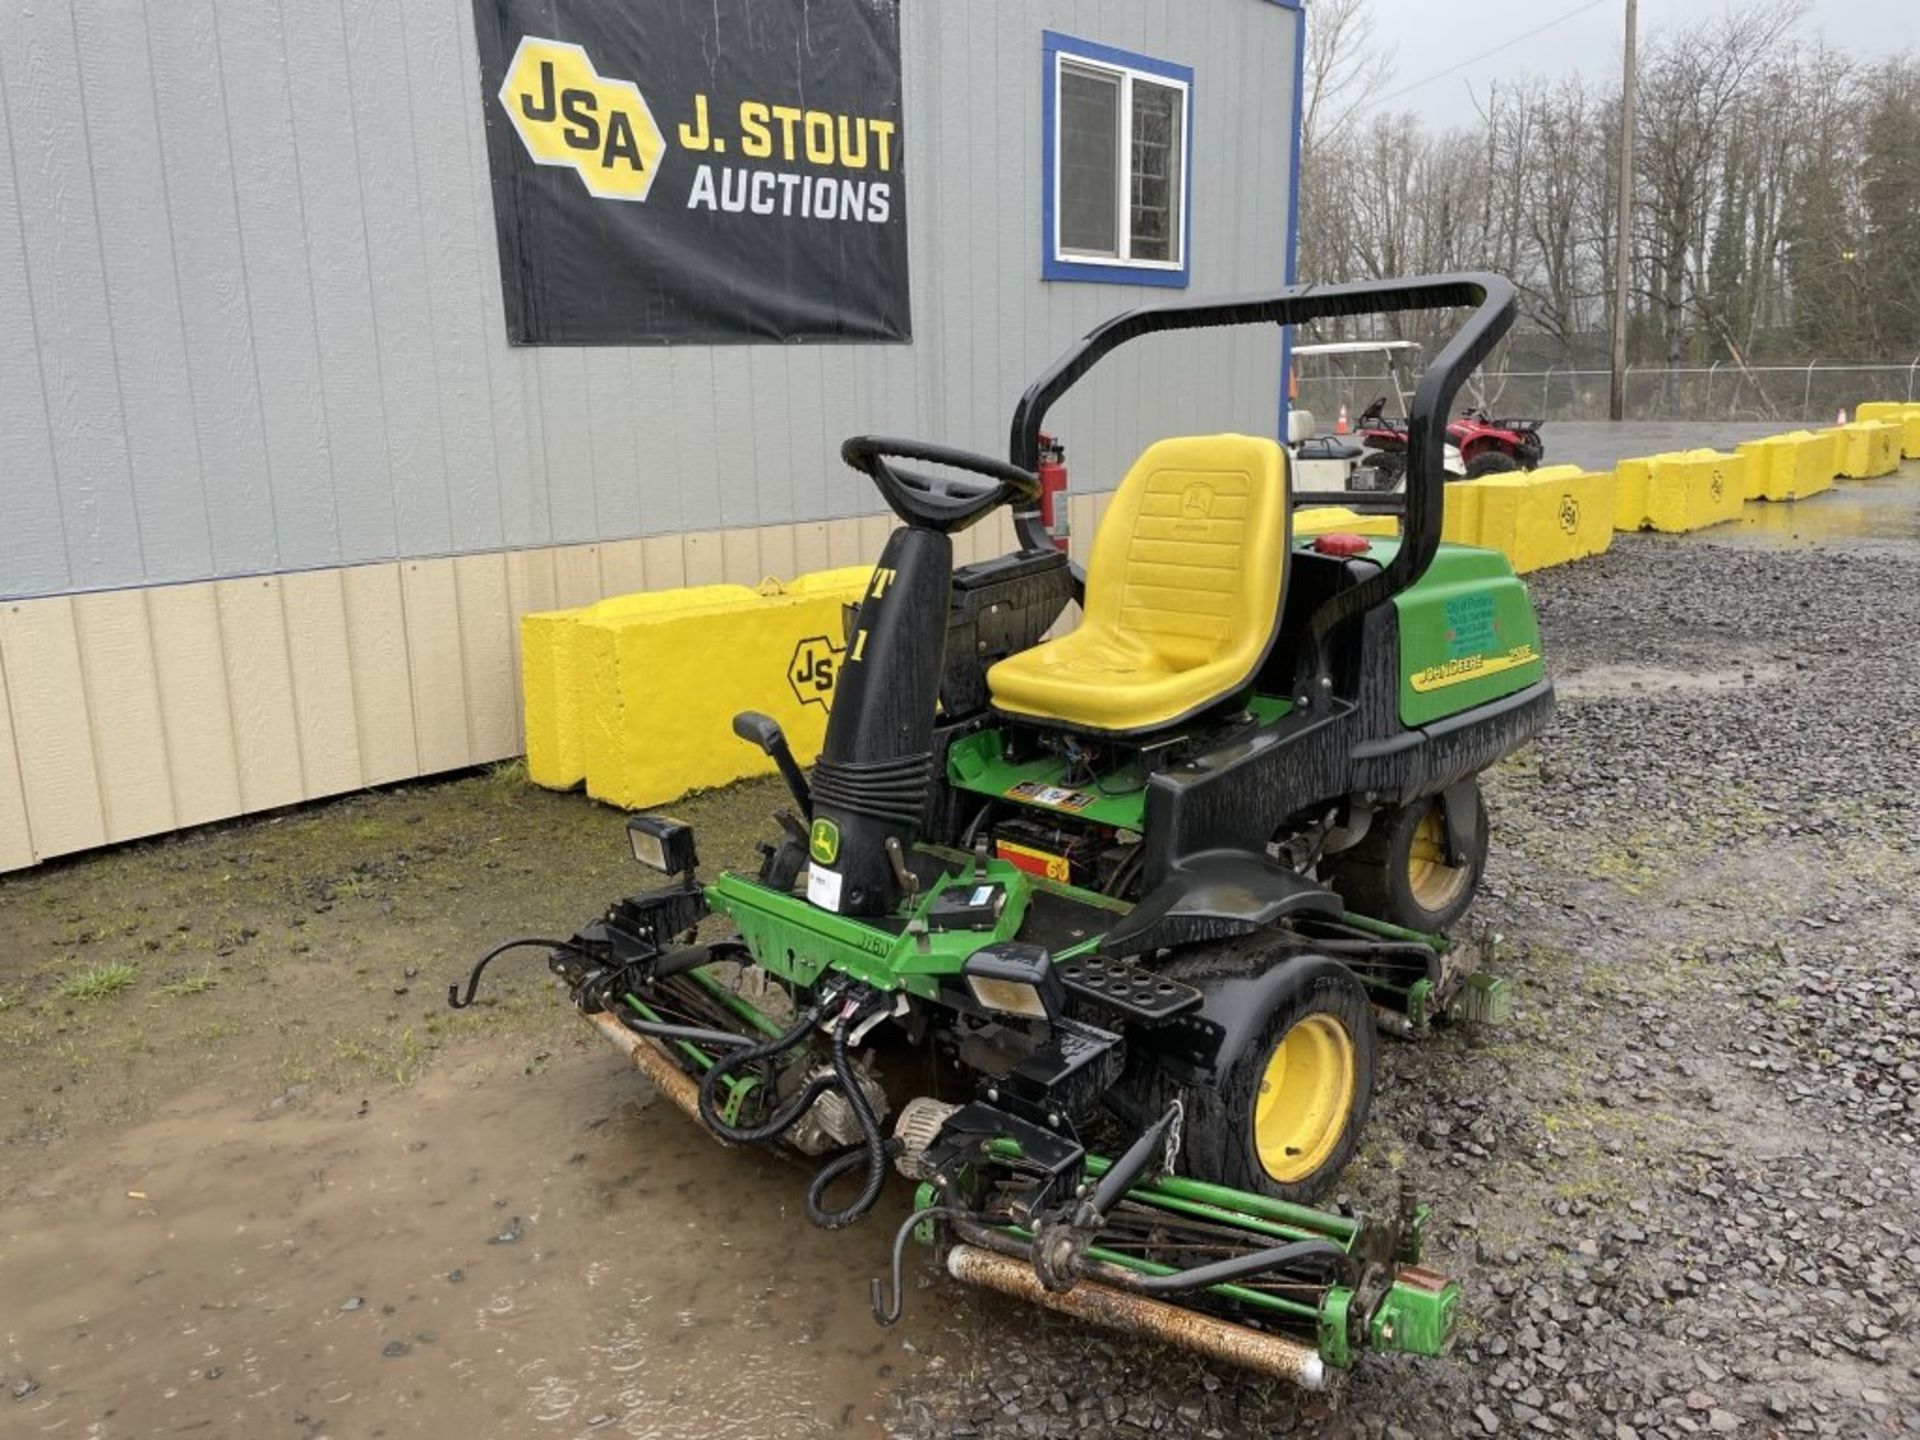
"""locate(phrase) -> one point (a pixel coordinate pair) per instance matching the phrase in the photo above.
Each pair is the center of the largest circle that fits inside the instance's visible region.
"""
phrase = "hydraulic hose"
(692, 1034)
(1235, 1267)
(785, 1114)
(875, 1150)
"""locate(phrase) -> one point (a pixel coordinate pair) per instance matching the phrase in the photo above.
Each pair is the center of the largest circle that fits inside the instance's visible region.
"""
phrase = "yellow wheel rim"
(1435, 883)
(1305, 1097)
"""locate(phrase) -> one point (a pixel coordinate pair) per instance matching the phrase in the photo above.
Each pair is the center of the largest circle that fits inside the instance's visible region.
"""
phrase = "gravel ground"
(1680, 1189)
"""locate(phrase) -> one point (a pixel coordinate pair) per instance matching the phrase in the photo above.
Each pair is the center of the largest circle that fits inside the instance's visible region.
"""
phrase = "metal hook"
(460, 1002)
(887, 1311)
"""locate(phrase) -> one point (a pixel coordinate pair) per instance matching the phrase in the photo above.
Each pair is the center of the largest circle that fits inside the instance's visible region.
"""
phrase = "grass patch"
(7, 1002)
(101, 981)
(191, 984)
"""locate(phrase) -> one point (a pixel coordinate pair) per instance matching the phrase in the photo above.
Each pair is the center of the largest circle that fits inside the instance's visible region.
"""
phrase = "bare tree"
(1779, 193)
(1343, 69)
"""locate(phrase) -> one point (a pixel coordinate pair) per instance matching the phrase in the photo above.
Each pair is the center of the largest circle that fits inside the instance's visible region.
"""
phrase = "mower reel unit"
(1154, 885)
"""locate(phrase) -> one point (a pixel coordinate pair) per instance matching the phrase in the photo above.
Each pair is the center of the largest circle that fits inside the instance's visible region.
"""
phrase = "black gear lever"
(764, 731)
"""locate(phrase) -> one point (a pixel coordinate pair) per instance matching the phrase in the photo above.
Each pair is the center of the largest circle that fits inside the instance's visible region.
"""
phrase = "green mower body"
(1179, 935)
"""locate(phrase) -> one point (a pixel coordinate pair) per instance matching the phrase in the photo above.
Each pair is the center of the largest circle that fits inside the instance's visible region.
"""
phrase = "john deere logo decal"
(1470, 667)
(567, 113)
(823, 842)
(1569, 514)
(813, 669)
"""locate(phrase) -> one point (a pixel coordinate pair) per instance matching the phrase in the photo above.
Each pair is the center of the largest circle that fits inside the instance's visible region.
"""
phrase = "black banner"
(705, 171)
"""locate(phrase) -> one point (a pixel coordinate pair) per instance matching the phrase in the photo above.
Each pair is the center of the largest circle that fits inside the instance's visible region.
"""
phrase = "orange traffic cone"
(1841, 418)
(1340, 421)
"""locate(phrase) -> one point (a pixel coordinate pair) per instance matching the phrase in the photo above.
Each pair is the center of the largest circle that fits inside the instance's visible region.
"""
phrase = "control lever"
(764, 731)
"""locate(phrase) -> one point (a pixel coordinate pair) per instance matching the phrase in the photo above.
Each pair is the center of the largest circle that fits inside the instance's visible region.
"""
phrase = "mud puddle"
(1854, 512)
(1605, 681)
(493, 1252)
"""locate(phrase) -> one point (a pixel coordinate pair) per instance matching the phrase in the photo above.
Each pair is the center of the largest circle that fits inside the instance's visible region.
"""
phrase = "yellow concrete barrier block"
(1868, 448)
(1753, 473)
(1790, 466)
(1325, 519)
(555, 672)
(1545, 517)
(665, 689)
(849, 582)
(1692, 489)
(1631, 481)
(555, 758)
(1904, 414)
(1460, 519)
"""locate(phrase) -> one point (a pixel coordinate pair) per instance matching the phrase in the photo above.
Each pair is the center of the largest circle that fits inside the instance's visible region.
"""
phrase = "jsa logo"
(567, 113)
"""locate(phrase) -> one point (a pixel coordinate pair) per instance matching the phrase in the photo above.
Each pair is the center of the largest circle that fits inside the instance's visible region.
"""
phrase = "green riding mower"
(1151, 885)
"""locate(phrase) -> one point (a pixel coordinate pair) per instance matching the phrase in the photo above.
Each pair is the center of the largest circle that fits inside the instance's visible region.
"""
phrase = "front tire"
(1285, 1115)
(1491, 462)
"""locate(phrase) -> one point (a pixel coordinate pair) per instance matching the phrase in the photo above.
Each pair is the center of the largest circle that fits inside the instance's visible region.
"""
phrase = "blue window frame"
(1116, 170)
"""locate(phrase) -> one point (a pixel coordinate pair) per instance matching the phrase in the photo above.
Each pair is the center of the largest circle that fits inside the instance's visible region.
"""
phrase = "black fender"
(1241, 984)
(1215, 895)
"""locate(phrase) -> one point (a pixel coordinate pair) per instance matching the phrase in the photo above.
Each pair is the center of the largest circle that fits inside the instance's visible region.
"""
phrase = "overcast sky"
(1430, 39)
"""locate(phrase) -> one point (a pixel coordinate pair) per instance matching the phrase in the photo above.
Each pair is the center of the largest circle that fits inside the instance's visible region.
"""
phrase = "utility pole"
(1623, 223)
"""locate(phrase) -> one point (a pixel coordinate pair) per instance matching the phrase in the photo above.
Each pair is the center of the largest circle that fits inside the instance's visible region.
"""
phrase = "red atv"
(1485, 447)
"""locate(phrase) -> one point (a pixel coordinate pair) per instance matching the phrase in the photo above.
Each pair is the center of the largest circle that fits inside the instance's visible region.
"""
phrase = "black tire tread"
(1218, 1145)
(1372, 877)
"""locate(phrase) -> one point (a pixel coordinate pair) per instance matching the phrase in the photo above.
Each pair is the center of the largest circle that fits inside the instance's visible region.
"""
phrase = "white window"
(1118, 172)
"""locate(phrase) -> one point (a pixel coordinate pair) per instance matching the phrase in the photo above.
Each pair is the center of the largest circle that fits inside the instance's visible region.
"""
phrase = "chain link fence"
(1792, 394)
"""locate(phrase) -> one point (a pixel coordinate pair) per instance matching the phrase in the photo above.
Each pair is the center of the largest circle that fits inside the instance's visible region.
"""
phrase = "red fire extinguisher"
(1053, 491)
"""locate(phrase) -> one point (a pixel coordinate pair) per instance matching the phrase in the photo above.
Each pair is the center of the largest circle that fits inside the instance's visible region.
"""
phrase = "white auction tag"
(823, 887)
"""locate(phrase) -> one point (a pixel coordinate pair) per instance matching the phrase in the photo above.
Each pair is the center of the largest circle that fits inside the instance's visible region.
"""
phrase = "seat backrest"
(1189, 559)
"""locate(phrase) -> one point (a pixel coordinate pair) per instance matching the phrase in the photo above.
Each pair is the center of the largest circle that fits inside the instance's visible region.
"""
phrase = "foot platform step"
(1130, 989)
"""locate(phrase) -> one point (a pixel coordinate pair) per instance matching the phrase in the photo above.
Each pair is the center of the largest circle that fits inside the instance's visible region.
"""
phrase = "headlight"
(662, 844)
(1014, 979)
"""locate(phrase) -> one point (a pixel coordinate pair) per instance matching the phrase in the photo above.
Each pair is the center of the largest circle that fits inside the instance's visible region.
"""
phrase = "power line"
(1484, 54)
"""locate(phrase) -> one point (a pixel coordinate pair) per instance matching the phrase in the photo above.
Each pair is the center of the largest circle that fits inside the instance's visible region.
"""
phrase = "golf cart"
(1154, 881)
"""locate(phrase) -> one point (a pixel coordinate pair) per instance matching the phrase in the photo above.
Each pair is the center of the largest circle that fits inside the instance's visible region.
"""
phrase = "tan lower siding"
(134, 712)
(16, 846)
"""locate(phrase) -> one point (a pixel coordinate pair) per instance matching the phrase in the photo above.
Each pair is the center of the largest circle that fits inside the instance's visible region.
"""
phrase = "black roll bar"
(1494, 307)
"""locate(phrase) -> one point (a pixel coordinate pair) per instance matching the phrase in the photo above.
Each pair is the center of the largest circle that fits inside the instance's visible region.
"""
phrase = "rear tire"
(1286, 1114)
(1400, 871)
(1491, 462)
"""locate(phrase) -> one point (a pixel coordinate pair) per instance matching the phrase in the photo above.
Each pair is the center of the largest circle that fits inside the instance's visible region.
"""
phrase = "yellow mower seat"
(1182, 598)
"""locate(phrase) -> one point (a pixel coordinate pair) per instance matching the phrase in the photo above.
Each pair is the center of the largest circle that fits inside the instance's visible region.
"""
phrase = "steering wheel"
(1373, 411)
(937, 501)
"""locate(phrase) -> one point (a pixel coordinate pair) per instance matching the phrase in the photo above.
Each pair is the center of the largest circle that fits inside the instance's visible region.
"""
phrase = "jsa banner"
(706, 171)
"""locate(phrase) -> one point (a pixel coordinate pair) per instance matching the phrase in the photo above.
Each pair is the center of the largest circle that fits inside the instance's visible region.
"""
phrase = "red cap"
(1340, 543)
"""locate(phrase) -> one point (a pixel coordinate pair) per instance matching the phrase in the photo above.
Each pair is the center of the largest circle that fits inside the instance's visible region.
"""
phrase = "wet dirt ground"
(256, 1179)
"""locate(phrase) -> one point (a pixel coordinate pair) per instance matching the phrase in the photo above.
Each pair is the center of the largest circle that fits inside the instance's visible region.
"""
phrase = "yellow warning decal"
(1471, 667)
(1034, 862)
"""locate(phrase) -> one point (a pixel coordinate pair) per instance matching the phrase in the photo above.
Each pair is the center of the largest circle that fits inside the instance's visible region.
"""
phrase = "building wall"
(256, 398)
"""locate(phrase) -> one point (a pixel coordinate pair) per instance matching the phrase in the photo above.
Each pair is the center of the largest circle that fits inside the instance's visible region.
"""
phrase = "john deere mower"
(1151, 885)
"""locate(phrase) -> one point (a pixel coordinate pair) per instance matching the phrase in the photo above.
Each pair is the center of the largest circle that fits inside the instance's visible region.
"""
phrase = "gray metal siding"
(250, 313)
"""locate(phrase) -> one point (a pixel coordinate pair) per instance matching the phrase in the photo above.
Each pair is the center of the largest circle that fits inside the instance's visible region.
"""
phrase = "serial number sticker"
(823, 887)
(1055, 797)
